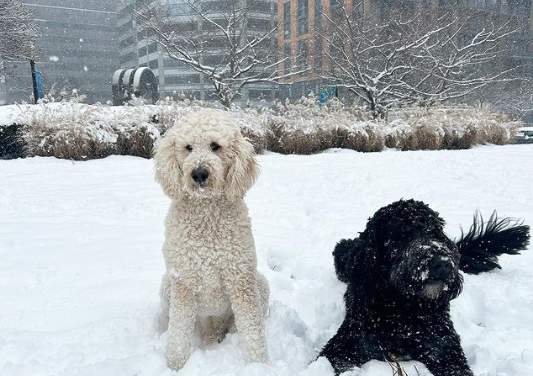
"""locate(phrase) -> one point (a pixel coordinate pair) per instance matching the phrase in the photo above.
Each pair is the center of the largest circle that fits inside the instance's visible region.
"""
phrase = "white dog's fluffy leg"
(164, 294)
(249, 318)
(182, 320)
(264, 291)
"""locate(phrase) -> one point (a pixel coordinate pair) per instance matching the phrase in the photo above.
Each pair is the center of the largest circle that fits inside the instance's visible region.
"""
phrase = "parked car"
(524, 135)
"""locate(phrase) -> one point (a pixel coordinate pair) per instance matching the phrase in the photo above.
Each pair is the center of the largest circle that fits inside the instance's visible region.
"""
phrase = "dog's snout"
(200, 175)
(441, 268)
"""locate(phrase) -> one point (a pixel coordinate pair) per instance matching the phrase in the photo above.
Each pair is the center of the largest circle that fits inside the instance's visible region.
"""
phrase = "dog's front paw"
(177, 356)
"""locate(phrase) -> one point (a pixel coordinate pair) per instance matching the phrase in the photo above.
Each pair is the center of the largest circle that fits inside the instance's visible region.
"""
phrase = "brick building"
(299, 20)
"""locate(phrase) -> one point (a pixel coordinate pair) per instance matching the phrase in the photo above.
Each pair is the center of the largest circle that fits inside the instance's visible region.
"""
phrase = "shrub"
(12, 144)
(79, 131)
(456, 127)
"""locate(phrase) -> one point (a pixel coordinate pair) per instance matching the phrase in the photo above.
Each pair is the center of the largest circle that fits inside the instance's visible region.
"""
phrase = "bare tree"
(17, 31)
(218, 39)
(410, 61)
(516, 100)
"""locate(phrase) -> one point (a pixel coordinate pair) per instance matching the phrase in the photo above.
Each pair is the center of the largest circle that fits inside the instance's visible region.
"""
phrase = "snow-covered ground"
(80, 260)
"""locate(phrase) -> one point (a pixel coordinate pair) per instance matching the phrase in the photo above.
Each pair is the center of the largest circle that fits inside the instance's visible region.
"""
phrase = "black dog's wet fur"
(386, 267)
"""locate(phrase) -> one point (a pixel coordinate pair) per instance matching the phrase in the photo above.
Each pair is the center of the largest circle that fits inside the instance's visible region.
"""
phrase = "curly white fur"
(211, 281)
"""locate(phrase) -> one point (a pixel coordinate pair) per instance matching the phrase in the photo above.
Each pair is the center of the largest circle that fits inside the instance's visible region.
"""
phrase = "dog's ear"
(371, 263)
(243, 169)
(167, 169)
(344, 258)
(358, 261)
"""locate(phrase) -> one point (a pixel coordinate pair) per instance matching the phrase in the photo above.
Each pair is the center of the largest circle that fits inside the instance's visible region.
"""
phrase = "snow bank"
(80, 245)
(80, 251)
(78, 131)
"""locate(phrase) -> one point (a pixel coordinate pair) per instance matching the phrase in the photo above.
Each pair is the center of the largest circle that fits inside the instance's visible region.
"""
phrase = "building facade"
(138, 47)
(301, 19)
(78, 50)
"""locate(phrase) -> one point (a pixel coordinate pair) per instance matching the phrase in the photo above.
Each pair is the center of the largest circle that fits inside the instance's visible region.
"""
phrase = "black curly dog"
(402, 272)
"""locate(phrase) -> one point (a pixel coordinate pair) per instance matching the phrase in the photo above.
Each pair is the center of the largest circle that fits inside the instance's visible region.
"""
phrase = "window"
(463, 40)
(214, 24)
(261, 6)
(152, 64)
(214, 6)
(258, 94)
(124, 29)
(495, 5)
(132, 56)
(125, 12)
(287, 20)
(179, 9)
(385, 11)
(215, 60)
(359, 9)
(519, 6)
(182, 79)
(173, 63)
(152, 48)
(336, 10)
(303, 15)
(258, 24)
(287, 56)
(146, 50)
(302, 53)
(126, 42)
(215, 41)
(318, 13)
(336, 50)
(318, 53)
(145, 34)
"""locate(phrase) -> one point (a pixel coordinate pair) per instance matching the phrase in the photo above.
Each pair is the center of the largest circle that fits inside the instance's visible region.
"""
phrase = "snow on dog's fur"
(206, 166)
(402, 272)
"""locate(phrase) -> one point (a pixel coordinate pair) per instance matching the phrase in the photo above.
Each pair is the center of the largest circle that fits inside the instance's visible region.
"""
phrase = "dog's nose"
(440, 268)
(200, 175)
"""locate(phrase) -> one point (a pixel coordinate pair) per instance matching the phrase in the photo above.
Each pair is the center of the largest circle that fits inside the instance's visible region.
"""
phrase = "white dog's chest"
(205, 251)
(207, 282)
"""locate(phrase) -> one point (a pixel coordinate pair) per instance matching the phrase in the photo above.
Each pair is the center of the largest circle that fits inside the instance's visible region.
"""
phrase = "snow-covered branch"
(412, 61)
(222, 43)
(17, 32)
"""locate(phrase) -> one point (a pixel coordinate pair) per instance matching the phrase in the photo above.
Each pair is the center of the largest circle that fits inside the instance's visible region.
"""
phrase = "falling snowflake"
(53, 58)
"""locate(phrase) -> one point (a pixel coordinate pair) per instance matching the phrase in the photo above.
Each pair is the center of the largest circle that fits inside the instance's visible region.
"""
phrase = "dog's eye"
(215, 146)
(188, 147)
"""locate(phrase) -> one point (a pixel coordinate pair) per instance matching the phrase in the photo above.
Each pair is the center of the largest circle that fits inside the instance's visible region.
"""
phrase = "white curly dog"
(211, 283)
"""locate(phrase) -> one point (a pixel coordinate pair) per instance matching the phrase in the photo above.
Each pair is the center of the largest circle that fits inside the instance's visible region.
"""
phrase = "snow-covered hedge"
(79, 131)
